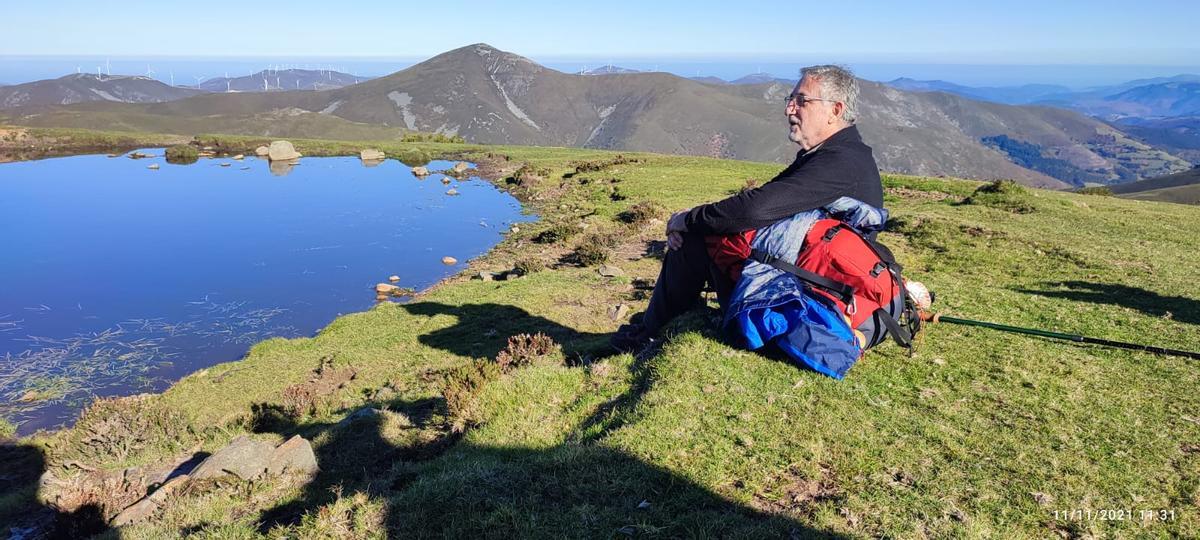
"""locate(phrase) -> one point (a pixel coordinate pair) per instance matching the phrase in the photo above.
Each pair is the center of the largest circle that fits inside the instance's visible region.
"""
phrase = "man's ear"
(838, 107)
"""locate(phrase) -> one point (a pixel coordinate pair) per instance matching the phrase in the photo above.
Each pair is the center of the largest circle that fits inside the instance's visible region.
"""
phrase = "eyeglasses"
(800, 99)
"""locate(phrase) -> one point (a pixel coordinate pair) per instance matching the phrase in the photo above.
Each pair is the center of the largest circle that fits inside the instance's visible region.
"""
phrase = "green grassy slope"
(1181, 187)
(978, 434)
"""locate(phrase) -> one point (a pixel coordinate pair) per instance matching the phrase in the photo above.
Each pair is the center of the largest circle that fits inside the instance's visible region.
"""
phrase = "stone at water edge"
(445, 180)
(153, 166)
(449, 261)
(459, 167)
(262, 151)
(371, 154)
(226, 164)
(282, 151)
(381, 297)
(420, 171)
(114, 155)
(386, 288)
(239, 157)
(393, 279)
(514, 229)
(452, 191)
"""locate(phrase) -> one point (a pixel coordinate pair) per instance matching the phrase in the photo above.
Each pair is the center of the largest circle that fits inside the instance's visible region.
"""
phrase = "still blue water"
(117, 279)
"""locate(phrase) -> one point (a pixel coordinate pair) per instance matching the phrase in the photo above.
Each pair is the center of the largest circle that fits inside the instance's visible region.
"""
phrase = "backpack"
(850, 272)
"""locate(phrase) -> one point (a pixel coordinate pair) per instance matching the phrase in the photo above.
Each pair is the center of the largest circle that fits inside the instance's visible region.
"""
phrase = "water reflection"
(118, 279)
(282, 168)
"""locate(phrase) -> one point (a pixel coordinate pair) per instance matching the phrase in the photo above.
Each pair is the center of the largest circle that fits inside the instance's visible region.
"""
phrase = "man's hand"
(675, 229)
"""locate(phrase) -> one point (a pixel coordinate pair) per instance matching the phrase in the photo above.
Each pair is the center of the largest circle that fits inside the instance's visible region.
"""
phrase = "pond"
(117, 278)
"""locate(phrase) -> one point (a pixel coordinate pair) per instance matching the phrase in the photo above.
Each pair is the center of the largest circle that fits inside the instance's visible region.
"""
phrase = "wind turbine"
(107, 67)
(149, 72)
(172, 77)
(99, 76)
(197, 80)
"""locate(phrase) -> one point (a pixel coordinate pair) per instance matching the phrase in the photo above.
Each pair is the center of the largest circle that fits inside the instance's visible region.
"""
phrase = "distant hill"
(490, 96)
(83, 87)
(1012, 95)
(606, 70)
(762, 78)
(281, 80)
(709, 79)
(1178, 135)
(1183, 188)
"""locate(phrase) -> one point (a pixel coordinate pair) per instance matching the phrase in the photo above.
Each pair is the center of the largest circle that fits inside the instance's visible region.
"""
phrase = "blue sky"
(1013, 32)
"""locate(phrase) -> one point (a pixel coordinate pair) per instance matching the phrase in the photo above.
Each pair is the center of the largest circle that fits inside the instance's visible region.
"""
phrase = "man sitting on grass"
(832, 162)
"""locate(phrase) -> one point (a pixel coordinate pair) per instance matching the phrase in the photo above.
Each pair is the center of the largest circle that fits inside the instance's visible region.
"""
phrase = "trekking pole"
(938, 317)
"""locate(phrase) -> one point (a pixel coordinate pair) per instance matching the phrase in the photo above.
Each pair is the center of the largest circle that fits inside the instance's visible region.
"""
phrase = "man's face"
(811, 122)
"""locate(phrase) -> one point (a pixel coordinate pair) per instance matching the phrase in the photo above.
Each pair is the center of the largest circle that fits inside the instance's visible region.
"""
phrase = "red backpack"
(857, 275)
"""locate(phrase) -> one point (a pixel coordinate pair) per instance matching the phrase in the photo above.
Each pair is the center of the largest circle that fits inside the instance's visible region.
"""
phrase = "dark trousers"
(680, 282)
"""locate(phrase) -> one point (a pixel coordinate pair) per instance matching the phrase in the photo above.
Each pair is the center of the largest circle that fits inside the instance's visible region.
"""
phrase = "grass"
(978, 434)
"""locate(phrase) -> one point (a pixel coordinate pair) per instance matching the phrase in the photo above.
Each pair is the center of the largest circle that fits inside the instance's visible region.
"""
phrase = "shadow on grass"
(445, 486)
(21, 514)
(439, 483)
(1178, 308)
(483, 330)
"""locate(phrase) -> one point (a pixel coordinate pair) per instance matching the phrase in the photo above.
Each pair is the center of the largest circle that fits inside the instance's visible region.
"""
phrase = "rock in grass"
(244, 458)
(449, 261)
(371, 154)
(608, 270)
(294, 456)
(143, 509)
(282, 151)
(618, 312)
(262, 151)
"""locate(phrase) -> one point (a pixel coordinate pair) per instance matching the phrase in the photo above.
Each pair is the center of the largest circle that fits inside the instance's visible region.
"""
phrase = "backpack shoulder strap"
(844, 292)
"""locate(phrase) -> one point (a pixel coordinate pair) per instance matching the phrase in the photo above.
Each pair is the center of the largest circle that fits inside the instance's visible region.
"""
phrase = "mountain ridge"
(491, 96)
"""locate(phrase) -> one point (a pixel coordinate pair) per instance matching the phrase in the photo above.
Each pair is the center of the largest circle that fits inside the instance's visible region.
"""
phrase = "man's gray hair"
(837, 83)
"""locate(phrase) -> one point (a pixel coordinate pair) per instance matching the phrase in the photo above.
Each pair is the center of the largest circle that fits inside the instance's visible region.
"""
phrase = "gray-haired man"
(833, 162)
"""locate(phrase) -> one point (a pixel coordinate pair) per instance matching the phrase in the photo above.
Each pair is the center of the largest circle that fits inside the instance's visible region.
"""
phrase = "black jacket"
(841, 166)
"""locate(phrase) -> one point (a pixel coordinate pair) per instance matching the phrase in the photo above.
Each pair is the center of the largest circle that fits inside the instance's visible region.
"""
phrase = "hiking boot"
(631, 338)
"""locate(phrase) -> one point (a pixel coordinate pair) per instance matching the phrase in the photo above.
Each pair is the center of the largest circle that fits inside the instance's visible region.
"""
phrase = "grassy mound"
(488, 430)
(182, 154)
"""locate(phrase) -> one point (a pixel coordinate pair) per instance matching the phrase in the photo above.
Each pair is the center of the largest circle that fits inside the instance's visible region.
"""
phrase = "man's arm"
(813, 185)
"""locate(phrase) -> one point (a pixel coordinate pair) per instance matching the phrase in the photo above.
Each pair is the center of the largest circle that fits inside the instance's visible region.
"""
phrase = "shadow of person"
(22, 514)
(1178, 308)
(483, 330)
(448, 486)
